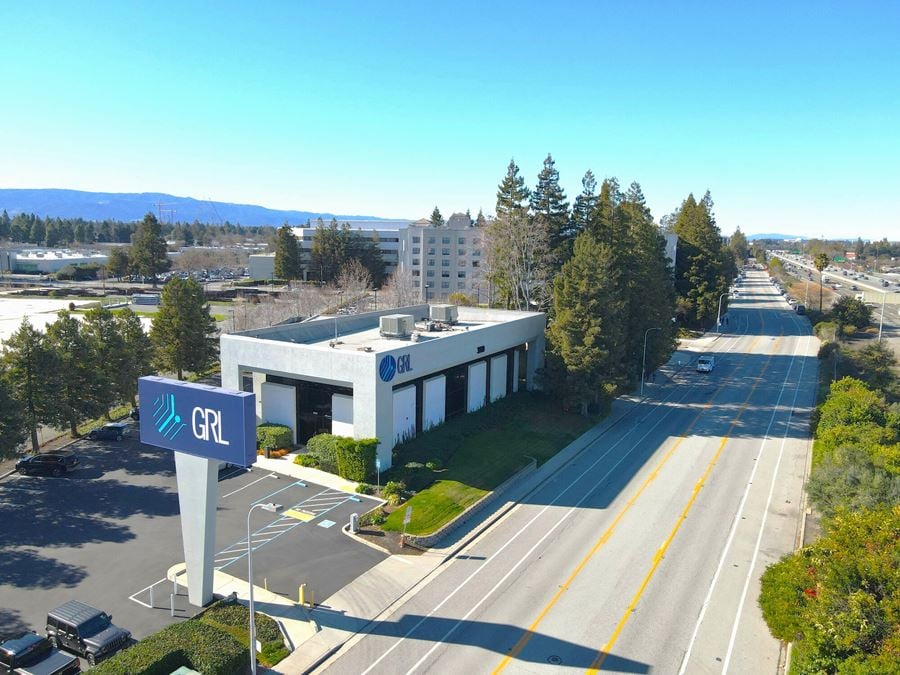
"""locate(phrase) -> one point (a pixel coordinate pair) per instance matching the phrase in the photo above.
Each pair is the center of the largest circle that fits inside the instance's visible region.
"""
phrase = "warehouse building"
(388, 375)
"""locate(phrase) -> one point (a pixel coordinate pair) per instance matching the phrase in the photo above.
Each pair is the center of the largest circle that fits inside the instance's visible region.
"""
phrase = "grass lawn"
(474, 453)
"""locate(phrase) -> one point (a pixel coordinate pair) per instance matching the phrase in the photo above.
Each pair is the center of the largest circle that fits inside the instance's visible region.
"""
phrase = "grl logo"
(387, 368)
(165, 419)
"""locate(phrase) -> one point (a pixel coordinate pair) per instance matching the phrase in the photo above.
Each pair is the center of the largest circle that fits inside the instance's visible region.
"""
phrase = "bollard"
(312, 600)
(175, 586)
(266, 583)
(354, 523)
(172, 604)
(151, 597)
(301, 594)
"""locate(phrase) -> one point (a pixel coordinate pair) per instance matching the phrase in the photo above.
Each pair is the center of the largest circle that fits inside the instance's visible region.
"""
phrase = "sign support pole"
(198, 485)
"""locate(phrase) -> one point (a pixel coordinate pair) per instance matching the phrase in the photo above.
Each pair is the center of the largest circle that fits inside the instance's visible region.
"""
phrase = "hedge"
(353, 459)
(273, 436)
(193, 643)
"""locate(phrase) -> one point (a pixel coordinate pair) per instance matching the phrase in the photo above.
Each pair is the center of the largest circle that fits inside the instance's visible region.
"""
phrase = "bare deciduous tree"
(518, 254)
(400, 290)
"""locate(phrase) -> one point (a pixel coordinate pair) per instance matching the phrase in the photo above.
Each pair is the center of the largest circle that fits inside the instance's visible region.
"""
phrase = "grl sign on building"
(204, 426)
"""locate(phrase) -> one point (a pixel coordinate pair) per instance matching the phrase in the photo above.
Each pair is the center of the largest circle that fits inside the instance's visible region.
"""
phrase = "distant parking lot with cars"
(106, 533)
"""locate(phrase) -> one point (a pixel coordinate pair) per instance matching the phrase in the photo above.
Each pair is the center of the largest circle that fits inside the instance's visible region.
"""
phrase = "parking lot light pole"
(644, 359)
(272, 508)
(719, 314)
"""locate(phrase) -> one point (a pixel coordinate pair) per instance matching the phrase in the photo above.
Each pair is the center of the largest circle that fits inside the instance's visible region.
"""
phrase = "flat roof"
(361, 332)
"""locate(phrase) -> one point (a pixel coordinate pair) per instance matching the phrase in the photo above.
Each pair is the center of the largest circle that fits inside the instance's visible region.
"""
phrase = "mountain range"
(134, 206)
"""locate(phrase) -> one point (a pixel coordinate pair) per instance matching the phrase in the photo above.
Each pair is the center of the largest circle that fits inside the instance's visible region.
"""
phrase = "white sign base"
(198, 492)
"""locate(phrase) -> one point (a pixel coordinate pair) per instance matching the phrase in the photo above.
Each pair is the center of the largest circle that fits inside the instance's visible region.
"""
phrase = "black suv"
(32, 654)
(52, 463)
(83, 630)
(114, 431)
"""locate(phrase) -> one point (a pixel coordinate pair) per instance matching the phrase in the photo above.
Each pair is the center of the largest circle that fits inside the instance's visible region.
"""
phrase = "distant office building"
(46, 261)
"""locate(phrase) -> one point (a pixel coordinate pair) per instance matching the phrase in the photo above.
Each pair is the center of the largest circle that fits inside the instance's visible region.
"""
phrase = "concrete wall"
(434, 402)
(278, 403)
(404, 414)
(498, 377)
(342, 415)
(477, 386)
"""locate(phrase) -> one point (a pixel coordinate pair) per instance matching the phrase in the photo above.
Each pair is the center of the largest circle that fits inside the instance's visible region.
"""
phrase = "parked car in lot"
(50, 463)
(32, 654)
(86, 631)
(114, 431)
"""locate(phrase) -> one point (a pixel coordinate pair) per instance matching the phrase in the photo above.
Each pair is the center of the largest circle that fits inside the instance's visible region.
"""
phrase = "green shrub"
(365, 489)
(195, 644)
(376, 517)
(272, 653)
(271, 436)
(324, 448)
(414, 465)
(356, 458)
(434, 464)
(306, 460)
(393, 491)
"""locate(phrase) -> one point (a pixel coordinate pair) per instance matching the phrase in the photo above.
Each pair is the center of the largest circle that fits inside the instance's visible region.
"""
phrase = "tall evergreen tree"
(587, 337)
(102, 333)
(436, 218)
(287, 254)
(12, 422)
(585, 203)
(550, 208)
(5, 225)
(148, 249)
(137, 345)
(699, 271)
(184, 332)
(512, 194)
(650, 291)
(78, 382)
(368, 252)
(30, 367)
(117, 262)
(480, 220)
(330, 249)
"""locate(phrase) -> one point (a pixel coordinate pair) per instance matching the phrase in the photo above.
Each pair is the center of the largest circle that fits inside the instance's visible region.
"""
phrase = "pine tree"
(30, 367)
(550, 208)
(5, 225)
(12, 422)
(148, 249)
(699, 272)
(585, 203)
(111, 356)
(287, 254)
(184, 332)
(480, 220)
(78, 382)
(139, 362)
(512, 195)
(436, 218)
(587, 337)
(117, 262)
(330, 249)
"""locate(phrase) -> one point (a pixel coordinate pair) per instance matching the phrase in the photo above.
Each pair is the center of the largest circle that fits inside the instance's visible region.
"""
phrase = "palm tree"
(821, 262)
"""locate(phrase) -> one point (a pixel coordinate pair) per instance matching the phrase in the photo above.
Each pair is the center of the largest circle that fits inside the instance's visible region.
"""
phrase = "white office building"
(388, 375)
(46, 261)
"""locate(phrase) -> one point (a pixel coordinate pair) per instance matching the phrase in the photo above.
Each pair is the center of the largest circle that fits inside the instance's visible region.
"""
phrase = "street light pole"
(272, 508)
(881, 320)
(719, 314)
(644, 358)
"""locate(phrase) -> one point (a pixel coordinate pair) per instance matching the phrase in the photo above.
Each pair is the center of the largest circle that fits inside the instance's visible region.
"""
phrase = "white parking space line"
(133, 597)
(234, 492)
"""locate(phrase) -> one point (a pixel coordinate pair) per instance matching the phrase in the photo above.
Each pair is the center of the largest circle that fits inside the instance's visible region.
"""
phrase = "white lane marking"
(762, 527)
(740, 511)
(247, 485)
(521, 531)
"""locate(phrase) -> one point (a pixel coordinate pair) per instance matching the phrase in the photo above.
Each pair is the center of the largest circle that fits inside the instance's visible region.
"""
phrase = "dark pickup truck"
(32, 654)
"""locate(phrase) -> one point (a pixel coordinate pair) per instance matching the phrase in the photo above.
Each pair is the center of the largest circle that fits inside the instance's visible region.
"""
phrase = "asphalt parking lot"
(110, 530)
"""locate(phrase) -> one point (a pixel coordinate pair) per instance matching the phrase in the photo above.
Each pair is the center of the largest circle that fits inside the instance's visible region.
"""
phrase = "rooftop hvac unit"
(396, 325)
(444, 313)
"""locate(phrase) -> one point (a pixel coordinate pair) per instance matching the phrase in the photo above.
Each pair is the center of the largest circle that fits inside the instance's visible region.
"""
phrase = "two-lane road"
(644, 553)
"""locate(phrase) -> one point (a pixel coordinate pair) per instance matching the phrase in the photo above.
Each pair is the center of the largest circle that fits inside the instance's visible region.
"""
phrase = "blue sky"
(788, 112)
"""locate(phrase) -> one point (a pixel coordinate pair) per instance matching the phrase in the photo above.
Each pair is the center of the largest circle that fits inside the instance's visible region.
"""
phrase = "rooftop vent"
(448, 314)
(396, 325)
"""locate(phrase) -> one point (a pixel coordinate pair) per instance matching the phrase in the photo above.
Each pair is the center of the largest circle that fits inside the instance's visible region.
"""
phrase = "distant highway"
(644, 553)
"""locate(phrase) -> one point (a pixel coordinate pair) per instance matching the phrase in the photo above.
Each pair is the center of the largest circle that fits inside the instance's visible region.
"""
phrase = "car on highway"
(86, 631)
(49, 463)
(114, 431)
(32, 654)
(706, 363)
